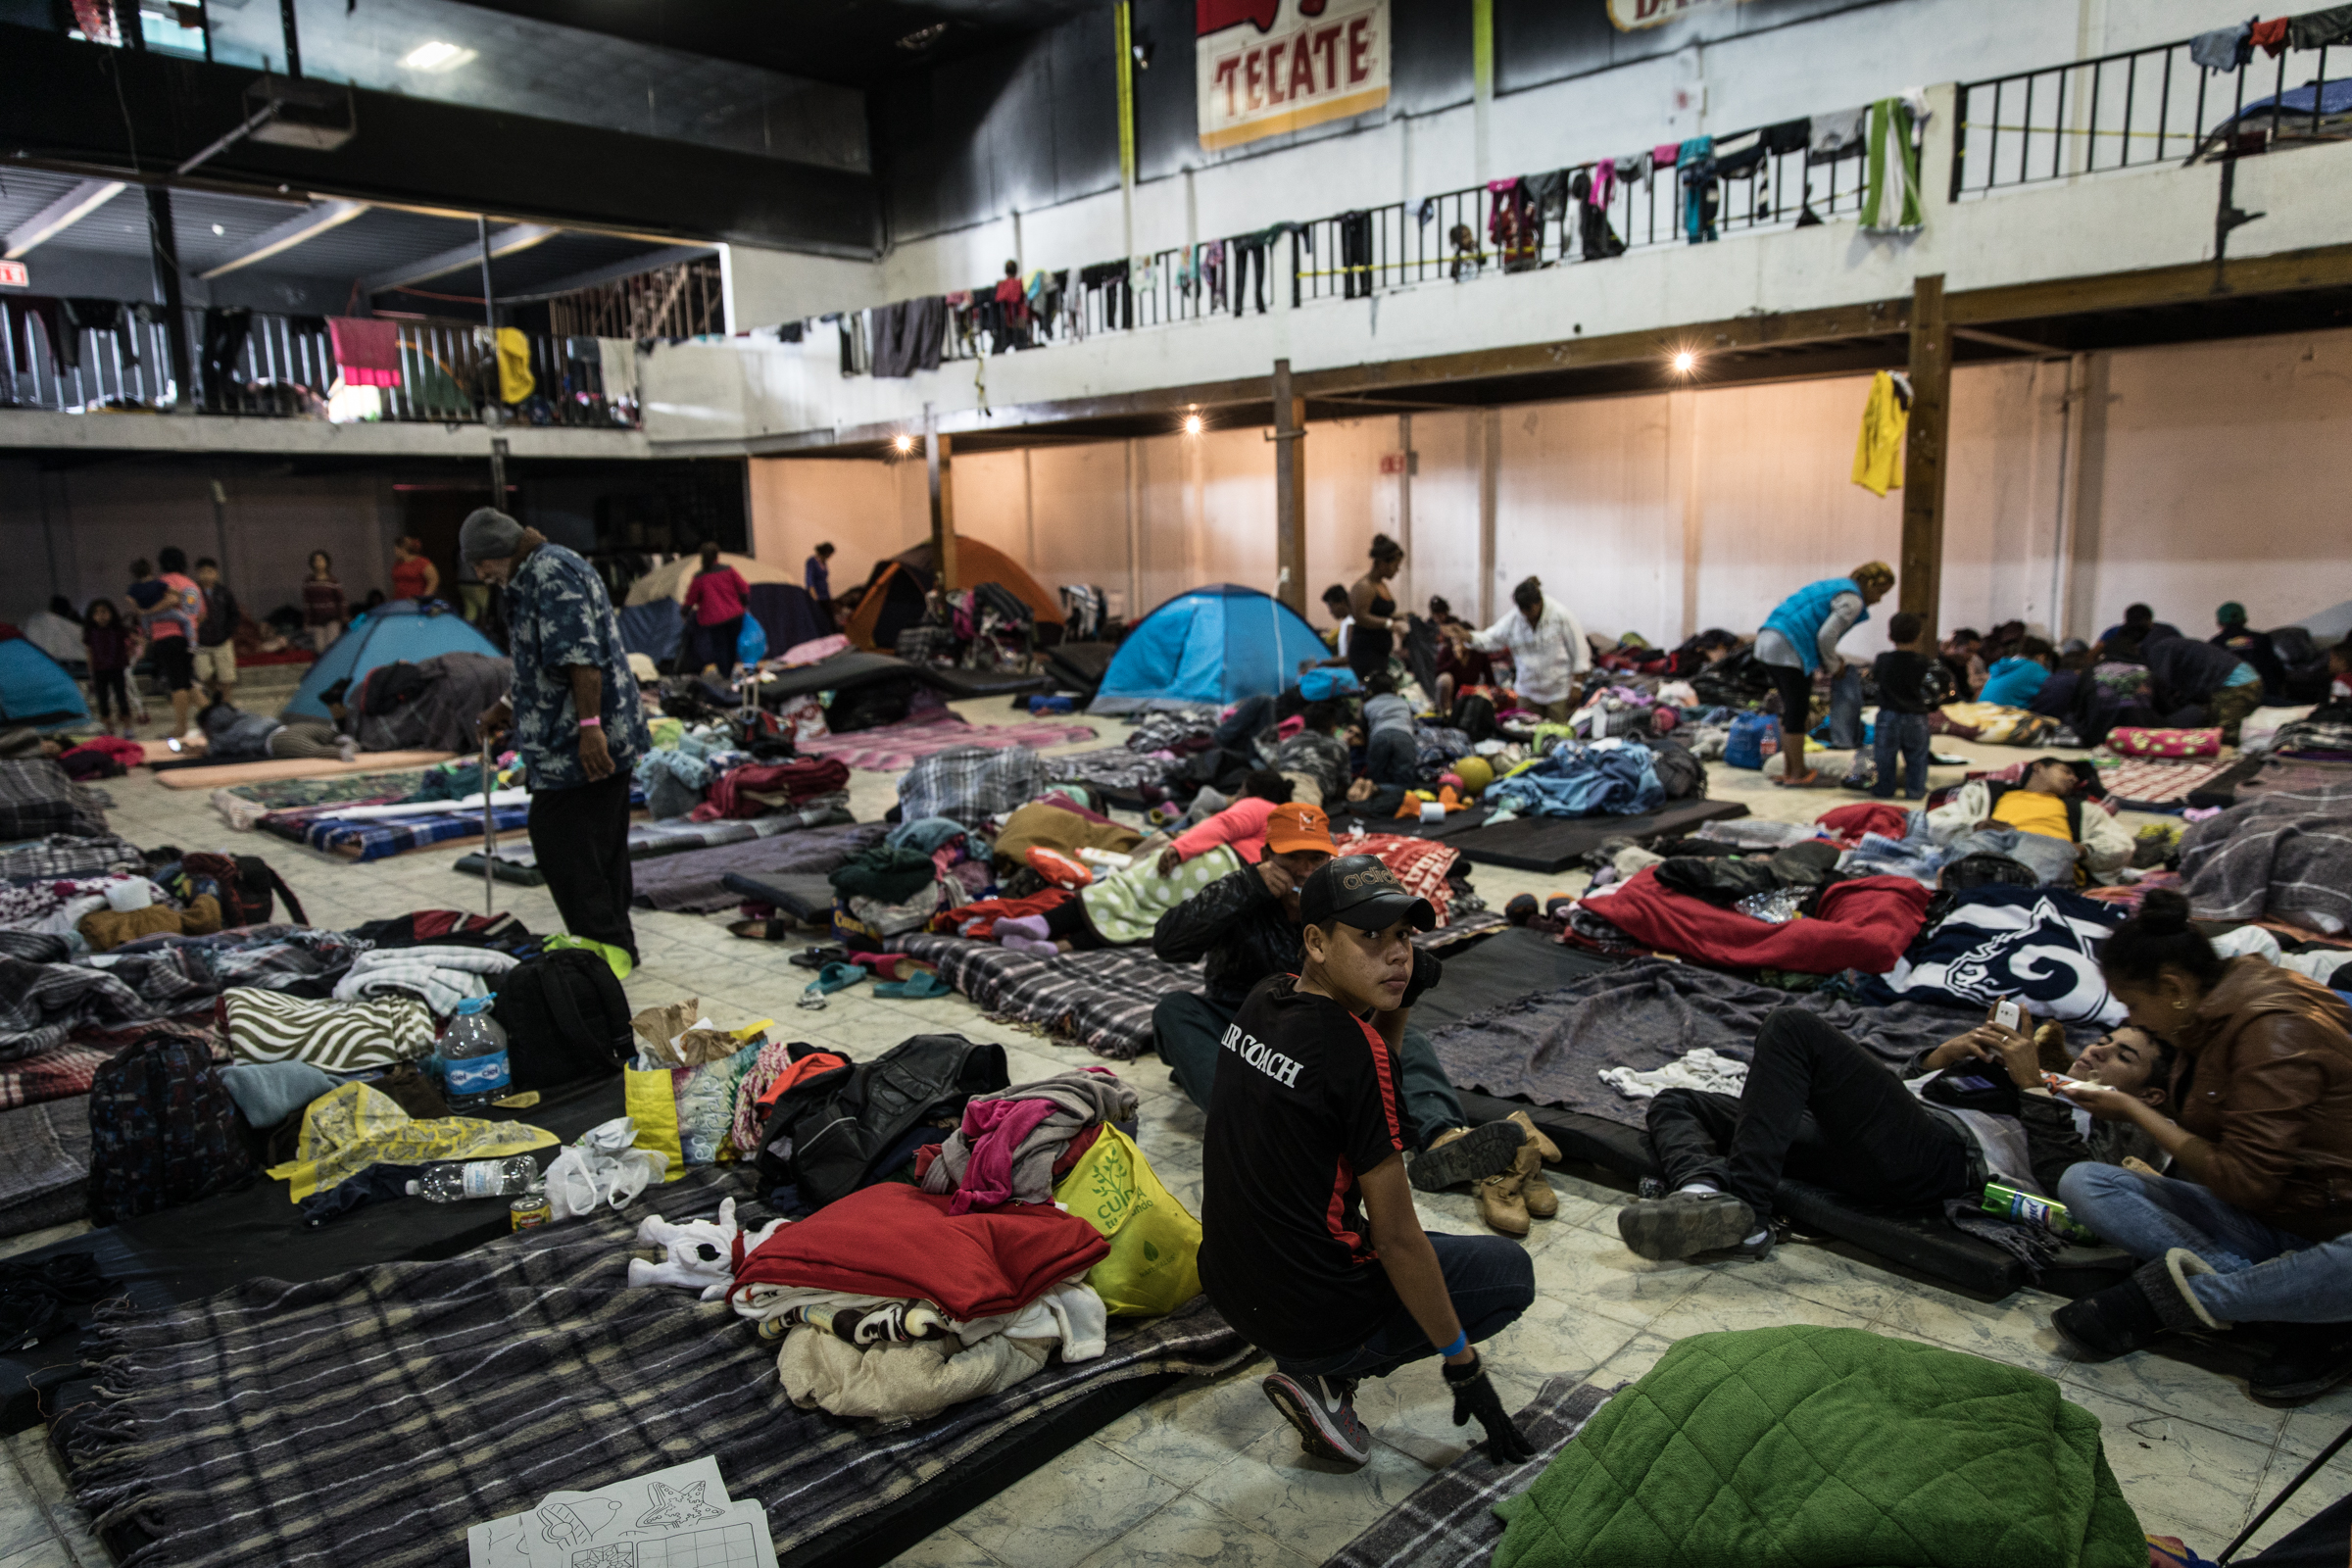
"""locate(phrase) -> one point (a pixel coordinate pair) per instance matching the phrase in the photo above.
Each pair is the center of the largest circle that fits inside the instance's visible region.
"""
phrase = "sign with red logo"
(1266, 67)
(13, 275)
(1632, 16)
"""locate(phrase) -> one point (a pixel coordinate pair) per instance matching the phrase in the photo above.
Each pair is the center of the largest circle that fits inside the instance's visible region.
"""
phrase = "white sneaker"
(1323, 1409)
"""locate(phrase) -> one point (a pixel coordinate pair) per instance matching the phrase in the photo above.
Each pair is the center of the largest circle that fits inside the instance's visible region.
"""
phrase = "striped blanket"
(338, 1036)
(44, 1165)
(465, 1390)
(895, 747)
(365, 839)
(63, 1072)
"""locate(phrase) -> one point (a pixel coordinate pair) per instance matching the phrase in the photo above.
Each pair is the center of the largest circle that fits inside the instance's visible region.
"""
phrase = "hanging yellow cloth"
(354, 1127)
(515, 380)
(1878, 450)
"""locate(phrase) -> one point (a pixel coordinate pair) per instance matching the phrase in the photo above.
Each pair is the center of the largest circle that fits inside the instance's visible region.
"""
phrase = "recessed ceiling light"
(435, 55)
(218, 229)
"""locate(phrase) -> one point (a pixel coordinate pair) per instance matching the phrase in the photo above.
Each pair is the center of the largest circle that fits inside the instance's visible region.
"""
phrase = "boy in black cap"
(1309, 1243)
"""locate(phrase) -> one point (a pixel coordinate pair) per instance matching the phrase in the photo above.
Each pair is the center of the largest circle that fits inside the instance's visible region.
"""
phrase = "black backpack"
(825, 1135)
(247, 886)
(163, 1129)
(1474, 716)
(567, 1019)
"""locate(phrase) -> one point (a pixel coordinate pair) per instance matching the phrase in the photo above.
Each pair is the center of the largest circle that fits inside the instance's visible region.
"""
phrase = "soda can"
(530, 1211)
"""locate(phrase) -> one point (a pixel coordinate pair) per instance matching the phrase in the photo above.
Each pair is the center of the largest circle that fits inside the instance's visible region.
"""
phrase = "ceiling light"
(1684, 361)
(902, 443)
(1192, 424)
(218, 229)
(435, 55)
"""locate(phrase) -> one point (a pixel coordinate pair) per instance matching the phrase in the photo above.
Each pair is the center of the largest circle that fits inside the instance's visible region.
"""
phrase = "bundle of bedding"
(895, 747)
(44, 1165)
(378, 837)
(1102, 1000)
(2037, 945)
(225, 1439)
(68, 855)
(243, 806)
(1864, 923)
(37, 799)
(2285, 854)
(695, 882)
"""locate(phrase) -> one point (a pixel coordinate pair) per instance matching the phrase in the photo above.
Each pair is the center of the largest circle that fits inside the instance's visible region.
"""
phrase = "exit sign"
(14, 275)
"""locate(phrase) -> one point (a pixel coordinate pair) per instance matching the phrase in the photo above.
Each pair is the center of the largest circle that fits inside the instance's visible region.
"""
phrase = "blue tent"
(1208, 647)
(34, 689)
(400, 631)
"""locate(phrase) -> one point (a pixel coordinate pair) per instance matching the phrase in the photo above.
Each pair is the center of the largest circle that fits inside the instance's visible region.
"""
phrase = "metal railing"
(280, 367)
(2138, 107)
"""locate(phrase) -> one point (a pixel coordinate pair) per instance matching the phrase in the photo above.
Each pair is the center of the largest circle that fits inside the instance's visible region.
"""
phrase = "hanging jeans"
(1245, 251)
(1355, 255)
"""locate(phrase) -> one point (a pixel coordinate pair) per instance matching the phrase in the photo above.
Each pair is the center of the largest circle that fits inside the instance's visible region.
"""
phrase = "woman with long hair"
(1373, 635)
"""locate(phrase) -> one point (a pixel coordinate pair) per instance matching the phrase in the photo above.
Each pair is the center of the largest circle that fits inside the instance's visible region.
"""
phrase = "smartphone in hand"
(2007, 1015)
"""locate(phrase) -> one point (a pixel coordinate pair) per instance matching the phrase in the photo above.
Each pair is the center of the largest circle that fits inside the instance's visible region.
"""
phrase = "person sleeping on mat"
(1820, 1108)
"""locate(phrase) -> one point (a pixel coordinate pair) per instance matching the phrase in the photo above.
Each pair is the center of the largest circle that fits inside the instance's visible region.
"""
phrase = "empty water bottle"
(474, 1051)
(450, 1181)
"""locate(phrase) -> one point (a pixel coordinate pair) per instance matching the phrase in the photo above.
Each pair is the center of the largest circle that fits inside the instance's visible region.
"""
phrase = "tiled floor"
(1208, 1473)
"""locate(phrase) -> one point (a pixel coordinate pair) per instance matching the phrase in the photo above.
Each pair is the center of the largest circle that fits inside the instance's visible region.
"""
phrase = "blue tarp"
(653, 629)
(400, 631)
(1208, 647)
(34, 688)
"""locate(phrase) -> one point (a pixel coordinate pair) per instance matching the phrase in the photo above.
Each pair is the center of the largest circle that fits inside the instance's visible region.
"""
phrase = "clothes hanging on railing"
(2318, 30)
(1694, 168)
(1596, 240)
(1248, 251)
(2270, 36)
(616, 364)
(1839, 134)
(1355, 255)
(1550, 194)
(516, 382)
(105, 316)
(909, 336)
(2224, 48)
(1211, 268)
(224, 330)
(368, 350)
(1890, 202)
(1510, 223)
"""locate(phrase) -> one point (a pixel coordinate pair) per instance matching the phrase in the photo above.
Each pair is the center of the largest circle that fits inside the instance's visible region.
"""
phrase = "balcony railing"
(2142, 107)
(280, 367)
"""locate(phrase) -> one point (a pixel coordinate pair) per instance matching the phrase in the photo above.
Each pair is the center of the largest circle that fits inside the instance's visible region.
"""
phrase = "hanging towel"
(515, 380)
(1836, 134)
(1878, 450)
(2271, 34)
(617, 356)
(1890, 170)
(2318, 29)
(367, 350)
(2224, 48)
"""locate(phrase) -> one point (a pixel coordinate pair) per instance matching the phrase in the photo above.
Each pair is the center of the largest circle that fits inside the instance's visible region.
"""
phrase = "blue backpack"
(1322, 685)
(1753, 738)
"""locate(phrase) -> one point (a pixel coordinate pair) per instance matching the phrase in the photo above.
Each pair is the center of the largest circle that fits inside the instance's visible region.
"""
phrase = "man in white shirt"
(1548, 649)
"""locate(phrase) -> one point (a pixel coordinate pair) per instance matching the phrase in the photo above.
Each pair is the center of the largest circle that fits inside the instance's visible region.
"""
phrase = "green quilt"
(1812, 1447)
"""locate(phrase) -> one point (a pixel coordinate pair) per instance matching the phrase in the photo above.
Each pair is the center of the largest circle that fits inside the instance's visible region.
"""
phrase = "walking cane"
(489, 838)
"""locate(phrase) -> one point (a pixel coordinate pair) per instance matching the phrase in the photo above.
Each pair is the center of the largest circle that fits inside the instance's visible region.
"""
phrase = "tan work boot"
(1535, 1135)
(1499, 1200)
(1534, 1190)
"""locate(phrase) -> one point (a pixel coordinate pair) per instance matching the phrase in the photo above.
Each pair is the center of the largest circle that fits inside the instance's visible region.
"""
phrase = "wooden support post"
(1290, 491)
(1921, 570)
(936, 456)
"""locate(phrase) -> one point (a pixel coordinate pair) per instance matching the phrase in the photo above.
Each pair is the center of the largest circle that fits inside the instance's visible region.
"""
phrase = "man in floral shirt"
(577, 718)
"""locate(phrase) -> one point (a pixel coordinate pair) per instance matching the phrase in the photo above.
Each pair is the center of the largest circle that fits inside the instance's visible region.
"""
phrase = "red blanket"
(801, 780)
(896, 1242)
(1850, 822)
(1864, 924)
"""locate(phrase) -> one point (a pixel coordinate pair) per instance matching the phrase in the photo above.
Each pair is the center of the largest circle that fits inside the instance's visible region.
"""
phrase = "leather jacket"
(2266, 1078)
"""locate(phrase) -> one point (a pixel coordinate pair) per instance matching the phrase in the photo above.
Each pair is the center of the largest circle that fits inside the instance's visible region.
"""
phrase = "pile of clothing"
(1606, 778)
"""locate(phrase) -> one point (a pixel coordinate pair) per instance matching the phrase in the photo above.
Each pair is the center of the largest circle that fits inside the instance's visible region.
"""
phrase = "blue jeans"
(1845, 710)
(1491, 1281)
(2267, 1275)
(1903, 735)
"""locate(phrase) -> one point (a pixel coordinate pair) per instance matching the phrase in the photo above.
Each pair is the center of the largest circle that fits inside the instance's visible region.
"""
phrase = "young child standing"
(1907, 675)
(107, 640)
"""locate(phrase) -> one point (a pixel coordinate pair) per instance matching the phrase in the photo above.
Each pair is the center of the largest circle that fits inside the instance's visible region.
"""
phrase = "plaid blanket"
(1102, 1000)
(37, 799)
(1449, 1521)
(42, 1003)
(1112, 768)
(895, 747)
(361, 839)
(373, 1416)
(64, 855)
(63, 1072)
(2285, 853)
(44, 1165)
(243, 806)
(969, 784)
(2154, 783)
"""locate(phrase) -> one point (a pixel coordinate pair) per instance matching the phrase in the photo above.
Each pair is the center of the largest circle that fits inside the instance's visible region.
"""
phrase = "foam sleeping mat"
(806, 897)
(958, 684)
(1551, 844)
(1916, 1239)
(213, 775)
(1502, 968)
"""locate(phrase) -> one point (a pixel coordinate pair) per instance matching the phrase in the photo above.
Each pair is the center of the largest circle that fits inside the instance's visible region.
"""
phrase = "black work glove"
(1474, 1395)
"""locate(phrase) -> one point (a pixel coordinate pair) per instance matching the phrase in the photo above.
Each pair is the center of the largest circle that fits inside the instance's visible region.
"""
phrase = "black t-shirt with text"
(1305, 1101)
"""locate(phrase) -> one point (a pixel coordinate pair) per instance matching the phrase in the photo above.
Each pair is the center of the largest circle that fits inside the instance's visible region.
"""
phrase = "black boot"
(2306, 1360)
(2113, 1322)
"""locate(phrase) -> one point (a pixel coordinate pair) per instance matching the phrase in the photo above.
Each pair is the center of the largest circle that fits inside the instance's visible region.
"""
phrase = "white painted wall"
(2207, 472)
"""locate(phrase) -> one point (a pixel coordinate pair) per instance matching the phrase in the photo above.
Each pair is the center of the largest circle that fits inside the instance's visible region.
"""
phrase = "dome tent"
(893, 594)
(34, 689)
(1208, 647)
(397, 632)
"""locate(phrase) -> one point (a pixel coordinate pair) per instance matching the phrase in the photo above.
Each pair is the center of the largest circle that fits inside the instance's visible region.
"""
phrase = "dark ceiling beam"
(84, 109)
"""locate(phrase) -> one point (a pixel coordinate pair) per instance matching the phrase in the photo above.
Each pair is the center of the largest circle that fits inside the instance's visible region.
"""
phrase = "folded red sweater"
(896, 1242)
(1864, 924)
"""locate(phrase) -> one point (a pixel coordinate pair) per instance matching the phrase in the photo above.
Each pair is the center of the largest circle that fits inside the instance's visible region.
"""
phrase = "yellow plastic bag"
(650, 1101)
(1153, 1267)
(354, 1127)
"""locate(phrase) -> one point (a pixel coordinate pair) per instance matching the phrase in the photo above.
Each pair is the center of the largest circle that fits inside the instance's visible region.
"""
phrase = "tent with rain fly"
(34, 689)
(400, 631)
(893, 594)
(670, 580)
(1205, 648)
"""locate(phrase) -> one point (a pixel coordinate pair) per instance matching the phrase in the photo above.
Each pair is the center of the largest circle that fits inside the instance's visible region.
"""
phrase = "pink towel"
(367, 350)
(996, 1129)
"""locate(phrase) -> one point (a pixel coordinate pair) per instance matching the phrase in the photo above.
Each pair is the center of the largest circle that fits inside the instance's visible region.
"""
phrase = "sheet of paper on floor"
(680, 1517)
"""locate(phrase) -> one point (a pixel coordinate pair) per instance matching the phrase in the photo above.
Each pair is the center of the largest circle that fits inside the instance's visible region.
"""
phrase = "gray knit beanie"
(489, 534)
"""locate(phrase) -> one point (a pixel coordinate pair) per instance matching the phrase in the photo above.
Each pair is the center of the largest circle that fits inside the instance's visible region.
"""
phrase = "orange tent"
(893, 594)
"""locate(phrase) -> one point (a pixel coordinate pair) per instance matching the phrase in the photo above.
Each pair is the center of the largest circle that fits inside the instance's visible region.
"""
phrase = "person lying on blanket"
(1248, 926)
(2060, 834)
(1822, 1108)
(1310, 1245)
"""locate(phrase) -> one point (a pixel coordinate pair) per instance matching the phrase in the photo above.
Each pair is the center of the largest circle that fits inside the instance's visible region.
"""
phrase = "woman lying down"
(1821, 1108)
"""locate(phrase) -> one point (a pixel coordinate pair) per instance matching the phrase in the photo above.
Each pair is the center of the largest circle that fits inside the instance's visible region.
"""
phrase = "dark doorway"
(434, 515)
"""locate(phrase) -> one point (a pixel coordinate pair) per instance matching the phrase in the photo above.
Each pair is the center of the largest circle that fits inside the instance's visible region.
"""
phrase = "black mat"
(840, 673)
(186, 1254)
(805, 898)
(1550, 844)
(958, 684)
(1916, 1239)
(1500, 968)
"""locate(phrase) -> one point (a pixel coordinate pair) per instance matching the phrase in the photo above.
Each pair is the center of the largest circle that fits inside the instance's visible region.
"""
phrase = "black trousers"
(716, 644)
(581, 836)
(1355, 255)
(1818, 1108)
(113, 692)
(1246, 252)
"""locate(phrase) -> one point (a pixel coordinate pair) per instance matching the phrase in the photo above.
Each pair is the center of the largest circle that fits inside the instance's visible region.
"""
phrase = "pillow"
(2131, 739)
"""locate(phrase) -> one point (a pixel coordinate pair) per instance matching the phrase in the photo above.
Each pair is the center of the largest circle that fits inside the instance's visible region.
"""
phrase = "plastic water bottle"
(475, 1052)
(450, 1181)
(2028, 1210)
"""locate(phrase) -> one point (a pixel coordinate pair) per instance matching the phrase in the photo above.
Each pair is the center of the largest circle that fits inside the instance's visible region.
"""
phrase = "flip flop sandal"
(921, 986)
(817, 957)
(770, 928)
(837, 977)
